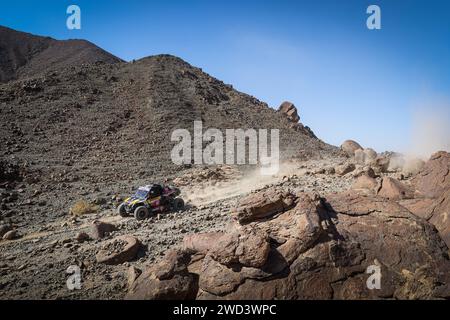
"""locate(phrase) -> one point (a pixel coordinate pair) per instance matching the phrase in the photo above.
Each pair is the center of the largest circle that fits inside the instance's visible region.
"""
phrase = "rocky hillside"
(79, 123)
(25, 55)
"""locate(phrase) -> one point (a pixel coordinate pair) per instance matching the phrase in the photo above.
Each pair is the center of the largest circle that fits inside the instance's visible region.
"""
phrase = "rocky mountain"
(25, 55)
(66, 119)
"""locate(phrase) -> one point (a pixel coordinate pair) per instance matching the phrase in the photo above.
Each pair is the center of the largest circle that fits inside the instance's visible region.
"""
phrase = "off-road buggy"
(150, 200)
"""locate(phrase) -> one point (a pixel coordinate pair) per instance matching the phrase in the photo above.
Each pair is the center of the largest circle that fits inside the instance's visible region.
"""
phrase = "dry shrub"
(82, 207)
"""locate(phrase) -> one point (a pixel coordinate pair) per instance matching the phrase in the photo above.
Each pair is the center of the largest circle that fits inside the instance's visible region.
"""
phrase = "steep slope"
(105, 128)
(87, 127)
(26, 55)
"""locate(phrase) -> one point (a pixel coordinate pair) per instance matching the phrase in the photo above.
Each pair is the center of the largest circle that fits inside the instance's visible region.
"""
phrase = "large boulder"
(118, 250)
(366, 156)
(350, 146)
(201, 242)
(434, 178)
(4, 229)
(322, 250)
(249, 249)
(264, 204)
(364, 182)
(441, 216)
(288, 109)
(436, 211)
(167, 280)
(433, 185)
(393, 189)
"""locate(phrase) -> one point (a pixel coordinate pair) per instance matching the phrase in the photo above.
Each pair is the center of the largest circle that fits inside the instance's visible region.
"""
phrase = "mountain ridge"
(26, 55)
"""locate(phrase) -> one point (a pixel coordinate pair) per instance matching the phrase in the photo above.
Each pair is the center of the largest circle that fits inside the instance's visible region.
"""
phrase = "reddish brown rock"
(174, 261)
(11, 235)
(368, 232)
(290, 111)
(262, 205)
(201, 242)
(434, 178)
(248, 249)
(364, 182)
(441, 216)
(319, 249)
(345, 168)
(421, 207)
(132, 274)
(100, 229)
(118, 250)
(393, 189)
(167, 280)
(82, 237)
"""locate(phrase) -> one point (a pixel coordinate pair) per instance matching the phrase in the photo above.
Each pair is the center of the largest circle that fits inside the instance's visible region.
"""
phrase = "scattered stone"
(11, 235)
(4, 229)
(330, 170)
(82, 237)
(101, 229)
(345, 168)
(201, 242)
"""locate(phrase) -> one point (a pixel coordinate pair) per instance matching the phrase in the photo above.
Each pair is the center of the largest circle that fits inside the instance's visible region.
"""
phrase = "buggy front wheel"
(141, 213)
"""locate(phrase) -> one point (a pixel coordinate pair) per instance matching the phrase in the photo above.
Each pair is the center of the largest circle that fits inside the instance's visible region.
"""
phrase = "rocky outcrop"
(318, 248)
(350, 146)
(290, 111)
(441, 216)
(433, 185)
(167, 280)
(264, 204)
(393, 189)
(365, 156)
(201, 242)
(434, 178)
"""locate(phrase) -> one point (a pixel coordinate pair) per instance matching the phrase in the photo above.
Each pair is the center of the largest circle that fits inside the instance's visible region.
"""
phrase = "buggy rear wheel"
(177, 204)
(141, 213)
(122, 211)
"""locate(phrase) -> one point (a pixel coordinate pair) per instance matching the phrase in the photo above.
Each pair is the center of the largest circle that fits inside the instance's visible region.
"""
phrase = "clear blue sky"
(347, 81)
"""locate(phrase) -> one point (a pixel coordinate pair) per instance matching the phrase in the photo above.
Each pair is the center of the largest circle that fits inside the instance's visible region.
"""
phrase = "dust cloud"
(249, 181)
